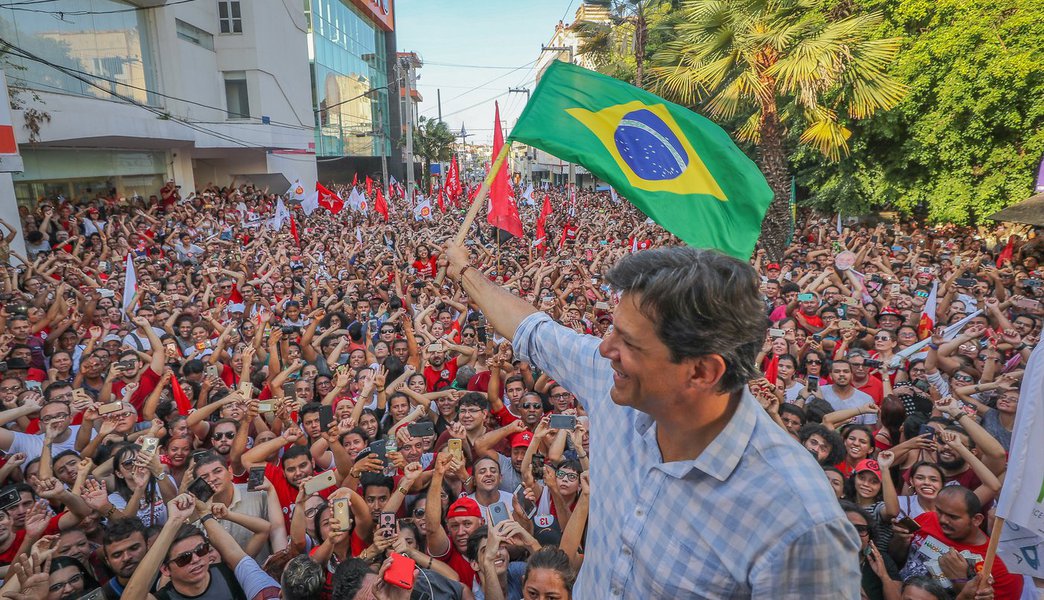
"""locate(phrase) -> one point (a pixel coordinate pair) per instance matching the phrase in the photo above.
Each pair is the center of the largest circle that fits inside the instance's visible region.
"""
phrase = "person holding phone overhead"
(675, 431)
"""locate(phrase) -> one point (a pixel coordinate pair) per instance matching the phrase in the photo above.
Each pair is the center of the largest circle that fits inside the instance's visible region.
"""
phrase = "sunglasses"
(532, 405)
(224, 436)
(185, 558)
(882, 338)
(862, 529)
(418, 512)
(813, 362)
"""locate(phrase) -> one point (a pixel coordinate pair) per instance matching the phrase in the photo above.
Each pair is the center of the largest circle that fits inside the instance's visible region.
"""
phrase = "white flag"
(422, 212)
(839, 228)
(612, 193)
(310, 203)
(1021, 501)
(130, 286)
(358, 235)
(528, 195)
(296, 191)
(281, 216)
(949, 333)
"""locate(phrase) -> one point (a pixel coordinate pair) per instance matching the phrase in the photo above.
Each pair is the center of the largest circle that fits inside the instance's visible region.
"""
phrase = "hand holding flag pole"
(469, 218)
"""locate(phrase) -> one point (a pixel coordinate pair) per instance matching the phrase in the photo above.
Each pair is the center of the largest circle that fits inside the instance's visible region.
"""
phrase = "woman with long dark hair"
(69, 579)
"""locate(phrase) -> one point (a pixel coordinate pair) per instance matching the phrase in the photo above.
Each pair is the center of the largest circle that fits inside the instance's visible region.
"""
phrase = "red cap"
(772, 266)
(521, 439)
(868, 464)
(464, 507)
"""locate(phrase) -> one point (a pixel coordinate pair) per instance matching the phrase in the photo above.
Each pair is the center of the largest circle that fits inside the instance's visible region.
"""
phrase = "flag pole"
(469, 218)
(991, 551)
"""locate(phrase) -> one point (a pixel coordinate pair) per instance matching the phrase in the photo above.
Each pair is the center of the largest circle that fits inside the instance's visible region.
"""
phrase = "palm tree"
(432, 141)
(734, 57)
(602, 39)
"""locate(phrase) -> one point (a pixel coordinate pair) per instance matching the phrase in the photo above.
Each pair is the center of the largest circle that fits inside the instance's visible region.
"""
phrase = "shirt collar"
(723, 454)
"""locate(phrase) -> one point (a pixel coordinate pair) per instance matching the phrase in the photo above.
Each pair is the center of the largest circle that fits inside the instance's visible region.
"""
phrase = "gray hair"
(702, 303)
(302, 579)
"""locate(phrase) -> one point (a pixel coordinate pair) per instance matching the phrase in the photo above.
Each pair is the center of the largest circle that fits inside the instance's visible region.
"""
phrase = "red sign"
(381, 11)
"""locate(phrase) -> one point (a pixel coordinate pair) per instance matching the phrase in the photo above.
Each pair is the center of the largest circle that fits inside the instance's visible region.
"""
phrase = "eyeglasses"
(813, 362)
(532, 405)
(185, 558)
(468, 335)
(561, 396)
(883, 338)
(224, 436)
(567, 476)
(57, 587)
(58, 417)
(862, 529)
(128, 463)
(470, 411)
(310, 512)
(11, 389)
(418, 512)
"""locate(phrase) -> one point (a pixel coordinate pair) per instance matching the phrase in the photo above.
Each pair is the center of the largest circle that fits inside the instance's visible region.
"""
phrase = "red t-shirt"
(459, 563)
(874, 388)
(287, 493)
(7, 557)
(441, 378)
(146, 385)
(426, 268)
(1005, 585)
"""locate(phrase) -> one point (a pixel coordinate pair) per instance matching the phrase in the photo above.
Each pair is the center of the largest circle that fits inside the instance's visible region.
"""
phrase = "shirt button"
(627, 551)
(638, 512)
(616, 590)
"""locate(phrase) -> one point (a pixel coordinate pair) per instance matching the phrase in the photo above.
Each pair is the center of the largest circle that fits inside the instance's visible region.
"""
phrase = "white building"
(199, 91)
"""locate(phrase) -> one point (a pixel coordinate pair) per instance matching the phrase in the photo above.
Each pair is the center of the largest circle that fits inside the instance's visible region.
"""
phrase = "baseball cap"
(772, 266)
(111, 338)
(521, 439)
(464, 507)
(868, 464)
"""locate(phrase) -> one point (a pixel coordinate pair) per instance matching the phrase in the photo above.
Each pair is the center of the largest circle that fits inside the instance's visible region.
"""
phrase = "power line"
(439, 64)
(486, 83)
(79, 13)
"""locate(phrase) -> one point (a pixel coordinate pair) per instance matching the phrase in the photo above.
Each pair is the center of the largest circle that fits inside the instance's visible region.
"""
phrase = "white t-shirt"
(856, 400)
(32, 444)
(145, 512)
(792, 393)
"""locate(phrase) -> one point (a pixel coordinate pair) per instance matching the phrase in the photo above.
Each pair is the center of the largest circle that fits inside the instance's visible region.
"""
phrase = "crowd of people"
(317, 414)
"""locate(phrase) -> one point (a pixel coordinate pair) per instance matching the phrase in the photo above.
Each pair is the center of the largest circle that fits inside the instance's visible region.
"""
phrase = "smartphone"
(873, 239)
(400, 572)
(966, 282)
(567, 422)
(110, 407)
(256, 478)
(872, 363)
(421, 429)
(850, 301)
(288, 389)
(342, 514)
(528, 508)
(265, 407)
(197, 455)
(908, 524)
(896, 289)
(435, 347)
(926, 430)
(149, 444)
(456, 448)
(320, 482)
(1032, 283)
(126, 365)
(601, 306)
(1028, 303)
(776, 333)
(846, 324)
(212, 371)
(498, 513)
(380, 450)
(386, 521)
(32, 386)
(806, 297)
(9, 496)
(247, 389)
(326, 417)
(812, 383)
(201, 489)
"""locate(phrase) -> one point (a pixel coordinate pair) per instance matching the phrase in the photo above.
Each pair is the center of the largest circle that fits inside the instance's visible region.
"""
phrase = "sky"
(488, 33)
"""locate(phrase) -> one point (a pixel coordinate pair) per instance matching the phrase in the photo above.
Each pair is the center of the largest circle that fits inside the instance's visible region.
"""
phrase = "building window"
(229, 16)
(195, 35)
(236, 96)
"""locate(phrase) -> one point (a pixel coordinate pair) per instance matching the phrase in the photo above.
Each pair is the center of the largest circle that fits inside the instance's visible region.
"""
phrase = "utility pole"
(407, 75)
(571, 51)
(438, 97)
(529, 166)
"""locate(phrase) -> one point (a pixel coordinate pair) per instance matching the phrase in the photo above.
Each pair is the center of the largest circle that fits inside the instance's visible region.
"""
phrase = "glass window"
(192, 34)
(236, 96)
(229, 16)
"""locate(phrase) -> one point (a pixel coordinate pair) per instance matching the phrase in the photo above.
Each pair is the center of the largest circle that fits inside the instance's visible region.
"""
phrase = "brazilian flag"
(676, 166)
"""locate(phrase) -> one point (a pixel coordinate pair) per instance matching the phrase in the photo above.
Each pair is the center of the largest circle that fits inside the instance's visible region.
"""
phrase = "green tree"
(620, 46)
(966, 140)
(780, 63)
(433, 142)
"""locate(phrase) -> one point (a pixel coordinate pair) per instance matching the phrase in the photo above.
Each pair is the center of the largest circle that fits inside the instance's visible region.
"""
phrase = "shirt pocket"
(676, 570)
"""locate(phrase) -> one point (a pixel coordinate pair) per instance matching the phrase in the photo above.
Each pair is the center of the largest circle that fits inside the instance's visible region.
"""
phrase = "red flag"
(329, 200)
(453, 180)
(926, 324)
(772, 370)
(442, 201)
(180, 399)
(541, 233)
(369, 186)
(503, 213)
(293, 231)
(381, 205)
(355, 179)
(1007, 252)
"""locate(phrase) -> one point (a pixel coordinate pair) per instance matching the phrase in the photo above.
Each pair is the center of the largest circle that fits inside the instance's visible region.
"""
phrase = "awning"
(275, 182)
(1029, 211)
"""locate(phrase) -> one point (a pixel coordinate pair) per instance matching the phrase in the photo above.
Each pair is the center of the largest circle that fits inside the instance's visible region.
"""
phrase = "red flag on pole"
(355, 179)
(541, 233)
(1007, 252)
(381, 205)
(442, 200)
(329, 200)
(369, 186)
(293, 231)
(453, 181)
(180, 399)
(503, 213)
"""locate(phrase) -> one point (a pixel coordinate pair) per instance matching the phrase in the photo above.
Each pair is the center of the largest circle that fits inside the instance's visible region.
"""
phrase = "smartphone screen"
(529, 508)
(201, 489)
(567, 422)
(256, 478)
(812, 383)
(326, 417)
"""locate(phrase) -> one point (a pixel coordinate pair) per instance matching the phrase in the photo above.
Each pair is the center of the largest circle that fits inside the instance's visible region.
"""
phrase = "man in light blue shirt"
(695, 491)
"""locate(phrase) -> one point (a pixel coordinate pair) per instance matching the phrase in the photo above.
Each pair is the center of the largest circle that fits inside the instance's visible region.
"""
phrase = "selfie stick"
(462, 233)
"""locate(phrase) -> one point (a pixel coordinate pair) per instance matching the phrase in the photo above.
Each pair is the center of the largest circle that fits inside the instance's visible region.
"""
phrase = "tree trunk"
(773, 162)
(640, 40)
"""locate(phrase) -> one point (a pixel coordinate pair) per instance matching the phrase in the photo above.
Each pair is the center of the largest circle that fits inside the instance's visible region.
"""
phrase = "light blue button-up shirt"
(752, 517)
